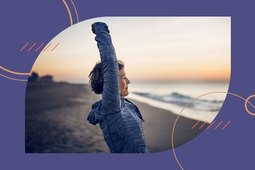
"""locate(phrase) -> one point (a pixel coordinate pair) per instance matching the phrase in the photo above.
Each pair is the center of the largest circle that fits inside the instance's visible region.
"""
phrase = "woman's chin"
(125, 94)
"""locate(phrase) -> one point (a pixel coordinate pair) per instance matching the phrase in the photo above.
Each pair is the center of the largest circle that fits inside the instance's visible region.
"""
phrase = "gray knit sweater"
(119, 119)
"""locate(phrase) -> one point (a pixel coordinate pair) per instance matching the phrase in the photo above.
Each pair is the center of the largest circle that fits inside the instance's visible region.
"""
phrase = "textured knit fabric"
(119, 119)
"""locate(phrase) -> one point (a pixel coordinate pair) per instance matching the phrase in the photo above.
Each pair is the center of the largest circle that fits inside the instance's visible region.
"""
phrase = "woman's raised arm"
(111, 92)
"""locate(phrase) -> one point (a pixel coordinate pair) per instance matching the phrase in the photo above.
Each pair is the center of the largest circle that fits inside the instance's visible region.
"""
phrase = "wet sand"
(56, 122)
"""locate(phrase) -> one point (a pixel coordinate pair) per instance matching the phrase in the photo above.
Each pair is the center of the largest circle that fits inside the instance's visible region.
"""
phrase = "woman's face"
(124, 81)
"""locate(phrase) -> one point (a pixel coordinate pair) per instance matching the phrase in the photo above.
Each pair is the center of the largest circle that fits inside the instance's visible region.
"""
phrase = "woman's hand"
(99, 27)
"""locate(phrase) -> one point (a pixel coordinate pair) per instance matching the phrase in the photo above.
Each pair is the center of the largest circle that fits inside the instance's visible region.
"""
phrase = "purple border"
(40, 21)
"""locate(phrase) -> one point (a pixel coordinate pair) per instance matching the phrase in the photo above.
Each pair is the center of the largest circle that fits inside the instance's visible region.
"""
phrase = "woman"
(119, 119)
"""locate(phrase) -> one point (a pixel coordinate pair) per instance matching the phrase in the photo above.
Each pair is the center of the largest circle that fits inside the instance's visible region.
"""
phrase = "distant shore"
(56, 122)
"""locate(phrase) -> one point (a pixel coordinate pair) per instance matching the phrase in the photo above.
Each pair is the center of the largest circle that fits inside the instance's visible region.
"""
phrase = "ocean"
(178, 96)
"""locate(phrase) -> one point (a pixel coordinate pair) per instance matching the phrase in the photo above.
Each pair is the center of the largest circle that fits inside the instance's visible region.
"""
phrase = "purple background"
(40, 21)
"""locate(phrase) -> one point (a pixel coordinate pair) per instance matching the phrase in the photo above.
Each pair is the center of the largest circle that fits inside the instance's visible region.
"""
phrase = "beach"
(56, 122)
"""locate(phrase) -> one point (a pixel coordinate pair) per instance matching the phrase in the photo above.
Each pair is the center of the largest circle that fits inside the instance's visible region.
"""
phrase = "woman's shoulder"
(131, 104)
(128, 101)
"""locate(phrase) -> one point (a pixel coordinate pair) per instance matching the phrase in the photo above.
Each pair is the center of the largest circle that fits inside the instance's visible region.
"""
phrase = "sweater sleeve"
(111, 94)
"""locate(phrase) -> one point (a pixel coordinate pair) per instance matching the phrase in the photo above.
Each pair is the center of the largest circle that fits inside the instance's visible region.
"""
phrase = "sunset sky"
(153, 49)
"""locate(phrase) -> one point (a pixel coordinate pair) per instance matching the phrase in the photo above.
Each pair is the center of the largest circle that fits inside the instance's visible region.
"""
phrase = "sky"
(154, 49)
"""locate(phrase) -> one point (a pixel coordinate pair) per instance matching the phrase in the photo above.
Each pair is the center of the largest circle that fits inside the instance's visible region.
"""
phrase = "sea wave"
(185, 100)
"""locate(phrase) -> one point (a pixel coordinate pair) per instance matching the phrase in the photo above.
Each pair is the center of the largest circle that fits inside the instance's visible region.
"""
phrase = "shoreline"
(56, 122)
(207, 117)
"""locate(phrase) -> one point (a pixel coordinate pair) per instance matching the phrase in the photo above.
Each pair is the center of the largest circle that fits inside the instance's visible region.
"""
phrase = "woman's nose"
(128, 81)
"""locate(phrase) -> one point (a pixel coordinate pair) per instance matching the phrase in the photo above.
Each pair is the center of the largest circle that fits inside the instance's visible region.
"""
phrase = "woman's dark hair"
(96, 78)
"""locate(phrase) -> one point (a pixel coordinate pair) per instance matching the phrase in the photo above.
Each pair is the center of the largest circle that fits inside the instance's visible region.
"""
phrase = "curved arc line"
(76, 13)
(69, 12)
(13, 72)
(12, 78)
(233, 94)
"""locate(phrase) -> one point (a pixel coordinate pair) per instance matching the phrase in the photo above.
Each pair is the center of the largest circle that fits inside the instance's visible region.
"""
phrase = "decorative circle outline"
(245, 105)
(233, 94)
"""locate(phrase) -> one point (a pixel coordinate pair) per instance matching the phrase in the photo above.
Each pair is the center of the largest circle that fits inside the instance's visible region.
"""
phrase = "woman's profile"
(119, 119)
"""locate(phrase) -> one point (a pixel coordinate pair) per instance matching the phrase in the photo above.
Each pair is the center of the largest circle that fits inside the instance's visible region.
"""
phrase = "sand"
(56, 122)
